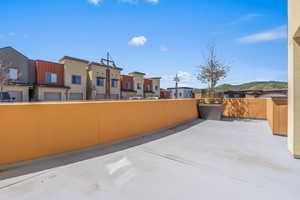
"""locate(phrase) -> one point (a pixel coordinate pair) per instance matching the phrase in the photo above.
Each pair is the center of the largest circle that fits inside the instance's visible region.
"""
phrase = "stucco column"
(294, 95)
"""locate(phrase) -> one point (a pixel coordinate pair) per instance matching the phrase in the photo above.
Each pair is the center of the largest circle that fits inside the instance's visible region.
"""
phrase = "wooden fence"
(275, 110)
(277, 115)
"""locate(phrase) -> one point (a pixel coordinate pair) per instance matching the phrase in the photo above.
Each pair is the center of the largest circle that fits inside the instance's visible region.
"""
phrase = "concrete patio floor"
(198, 160)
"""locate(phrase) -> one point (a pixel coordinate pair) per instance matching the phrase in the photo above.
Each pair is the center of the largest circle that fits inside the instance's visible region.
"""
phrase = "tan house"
(155, 87)
(136, 85)
(103, 81)
(294, 77)
(75, 77)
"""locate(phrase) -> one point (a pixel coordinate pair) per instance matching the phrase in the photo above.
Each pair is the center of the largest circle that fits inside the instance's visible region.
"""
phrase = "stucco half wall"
(34, 130)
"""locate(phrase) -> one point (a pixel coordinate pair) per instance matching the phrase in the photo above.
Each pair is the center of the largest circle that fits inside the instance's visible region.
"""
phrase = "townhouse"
(165, 94)
(103, 81)
(21, 74)
(50, 82)
(72, 79)
(135, 85)
(75, 77)
(181, 92)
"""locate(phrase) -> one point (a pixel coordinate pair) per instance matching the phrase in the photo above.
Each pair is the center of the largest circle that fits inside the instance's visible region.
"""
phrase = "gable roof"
(13, 49)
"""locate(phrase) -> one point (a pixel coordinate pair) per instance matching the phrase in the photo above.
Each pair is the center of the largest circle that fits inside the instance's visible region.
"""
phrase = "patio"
(233, 159)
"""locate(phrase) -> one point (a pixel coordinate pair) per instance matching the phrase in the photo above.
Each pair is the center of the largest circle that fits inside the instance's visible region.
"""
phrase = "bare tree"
(212, 70)
(4, 76)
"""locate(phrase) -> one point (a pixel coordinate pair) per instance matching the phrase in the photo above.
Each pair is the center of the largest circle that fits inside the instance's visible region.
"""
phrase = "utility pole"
(177, 80)
(109, 63)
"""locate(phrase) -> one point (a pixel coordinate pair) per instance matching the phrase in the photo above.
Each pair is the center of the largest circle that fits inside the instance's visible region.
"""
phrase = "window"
(13, 73)
(128, 85)
(51, 77)
(139, 86)
(114, 83)
(76, 80)
(156, 88)
(100, 82)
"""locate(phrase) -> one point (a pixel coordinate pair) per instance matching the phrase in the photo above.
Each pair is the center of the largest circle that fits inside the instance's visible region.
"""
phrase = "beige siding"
(40, 92)
(74, 67)
(156, 83)
(294, 77)
(23, 89)
(139, 80)
(94, 72)
(115, 74)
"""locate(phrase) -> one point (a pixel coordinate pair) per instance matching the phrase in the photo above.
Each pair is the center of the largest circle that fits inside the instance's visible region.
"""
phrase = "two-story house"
(138, 83)
(155, 86)
(21, 73)
(103, 81)
(75, 77)
(135, 85)
(50, 82)
(127, 87)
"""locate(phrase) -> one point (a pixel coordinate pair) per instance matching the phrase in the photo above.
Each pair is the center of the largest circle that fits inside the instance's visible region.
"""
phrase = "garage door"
(100, 96)
(52, 96)
(76, 96)
(17, 95)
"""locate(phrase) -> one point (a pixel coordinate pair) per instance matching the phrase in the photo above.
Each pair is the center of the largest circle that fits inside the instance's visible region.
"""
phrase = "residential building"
(165, 94)
(136, 85)
(294, 77)
(21, 74)
(155, 87)
(103, 81)
(50, 82)
(127, 87)
(183, 92)
(255, 93)
(75, 77)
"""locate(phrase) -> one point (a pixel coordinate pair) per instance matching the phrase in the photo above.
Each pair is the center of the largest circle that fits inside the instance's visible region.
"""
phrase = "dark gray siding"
(11, 57)
(31, 72)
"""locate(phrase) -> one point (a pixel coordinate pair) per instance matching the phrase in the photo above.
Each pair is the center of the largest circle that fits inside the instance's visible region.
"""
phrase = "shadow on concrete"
(40, 164)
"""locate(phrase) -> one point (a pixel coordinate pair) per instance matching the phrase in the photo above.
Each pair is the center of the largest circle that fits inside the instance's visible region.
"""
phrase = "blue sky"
(158, 37)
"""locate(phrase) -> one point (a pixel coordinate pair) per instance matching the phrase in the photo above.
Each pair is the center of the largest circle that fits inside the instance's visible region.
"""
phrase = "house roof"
(140, 73)
(75, 59)
(155, 78)
(9, 47)
(103, 65)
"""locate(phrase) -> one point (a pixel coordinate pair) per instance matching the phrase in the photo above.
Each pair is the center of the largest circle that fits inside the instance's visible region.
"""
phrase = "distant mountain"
(258, 85)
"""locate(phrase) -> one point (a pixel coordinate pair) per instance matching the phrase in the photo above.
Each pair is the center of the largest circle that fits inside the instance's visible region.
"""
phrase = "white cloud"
(186, 80)
(163, 48)
(95, 2)
(246, 18)
(153, 1)
(129, 1)
(138, 41)
(273, 34)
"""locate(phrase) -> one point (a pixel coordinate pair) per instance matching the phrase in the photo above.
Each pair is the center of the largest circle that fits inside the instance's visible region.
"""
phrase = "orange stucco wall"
(30, 131)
